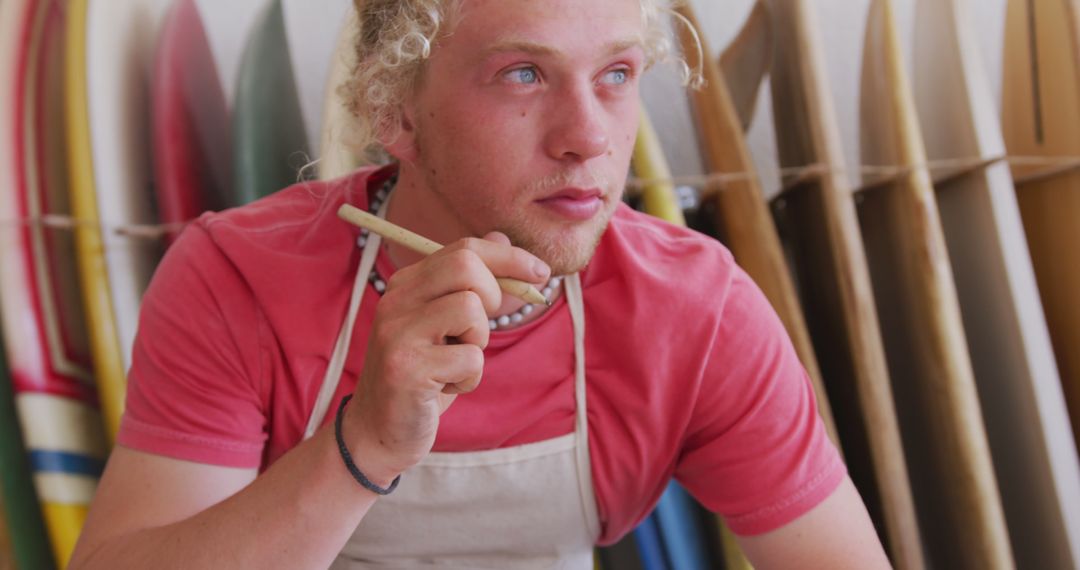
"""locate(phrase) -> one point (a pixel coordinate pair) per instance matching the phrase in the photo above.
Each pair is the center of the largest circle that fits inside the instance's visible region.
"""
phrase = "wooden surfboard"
(28, 545)
(744, 220)
(192, 144)
(338, 154)
(44, 330)
(1041, 118)
(1019, 389)
(1041, 89)
(817, 216)
(916, 295)
(270, 142)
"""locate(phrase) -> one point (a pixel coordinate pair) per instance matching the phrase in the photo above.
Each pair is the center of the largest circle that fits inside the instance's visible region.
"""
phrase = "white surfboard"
(119, 50)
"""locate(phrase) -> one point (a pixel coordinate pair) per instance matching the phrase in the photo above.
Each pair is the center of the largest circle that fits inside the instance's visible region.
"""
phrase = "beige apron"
(530, 506)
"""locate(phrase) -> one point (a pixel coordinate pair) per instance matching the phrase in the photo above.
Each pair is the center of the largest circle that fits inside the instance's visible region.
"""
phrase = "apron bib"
(529, 506)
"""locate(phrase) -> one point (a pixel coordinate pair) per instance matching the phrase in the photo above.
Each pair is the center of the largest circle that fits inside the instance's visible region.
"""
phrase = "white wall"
(312, 26)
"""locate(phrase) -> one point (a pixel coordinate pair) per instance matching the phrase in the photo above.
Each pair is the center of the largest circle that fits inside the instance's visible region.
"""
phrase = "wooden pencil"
(424, 246)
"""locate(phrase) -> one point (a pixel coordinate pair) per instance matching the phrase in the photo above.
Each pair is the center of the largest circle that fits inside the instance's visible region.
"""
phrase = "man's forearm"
(297, 515)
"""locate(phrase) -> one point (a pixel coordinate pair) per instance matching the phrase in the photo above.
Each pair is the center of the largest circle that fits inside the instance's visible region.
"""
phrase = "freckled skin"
(475, 162)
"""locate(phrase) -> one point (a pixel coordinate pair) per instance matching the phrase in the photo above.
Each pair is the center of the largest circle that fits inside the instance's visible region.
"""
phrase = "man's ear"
(402, 142)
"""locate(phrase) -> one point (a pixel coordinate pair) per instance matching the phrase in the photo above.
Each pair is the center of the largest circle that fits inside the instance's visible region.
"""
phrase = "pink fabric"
(689, 371)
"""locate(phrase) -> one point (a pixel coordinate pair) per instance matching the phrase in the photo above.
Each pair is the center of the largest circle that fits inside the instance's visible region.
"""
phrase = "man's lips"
(574, 203)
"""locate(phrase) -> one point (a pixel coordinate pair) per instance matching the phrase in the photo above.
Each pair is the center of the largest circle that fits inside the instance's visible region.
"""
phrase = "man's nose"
(578, 130)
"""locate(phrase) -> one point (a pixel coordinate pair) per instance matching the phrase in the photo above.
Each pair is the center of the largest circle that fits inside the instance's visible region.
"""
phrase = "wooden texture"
(1041, 117)
(819, 222)
(744, 222)
(424, 246)
(1019, 389)
(914, 289)
(746, 60)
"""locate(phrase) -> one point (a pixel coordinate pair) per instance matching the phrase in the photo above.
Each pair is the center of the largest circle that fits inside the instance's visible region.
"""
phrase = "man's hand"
(426, 347)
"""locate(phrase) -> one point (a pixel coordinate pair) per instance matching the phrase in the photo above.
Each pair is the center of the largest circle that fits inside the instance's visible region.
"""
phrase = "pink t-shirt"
(689, 371)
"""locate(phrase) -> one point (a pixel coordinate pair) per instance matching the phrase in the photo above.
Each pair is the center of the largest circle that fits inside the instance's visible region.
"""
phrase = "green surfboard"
(270, 143)
(29, 545)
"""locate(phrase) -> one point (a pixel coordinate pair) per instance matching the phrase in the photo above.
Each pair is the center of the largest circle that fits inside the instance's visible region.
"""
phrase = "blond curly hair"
(394, 41)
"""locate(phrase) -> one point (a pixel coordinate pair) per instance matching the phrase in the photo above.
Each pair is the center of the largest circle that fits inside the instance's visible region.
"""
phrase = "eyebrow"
(542, 49)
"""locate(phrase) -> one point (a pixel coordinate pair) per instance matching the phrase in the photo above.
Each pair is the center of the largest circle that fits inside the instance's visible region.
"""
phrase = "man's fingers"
(460, 316)
(458, 367)
(504, 260)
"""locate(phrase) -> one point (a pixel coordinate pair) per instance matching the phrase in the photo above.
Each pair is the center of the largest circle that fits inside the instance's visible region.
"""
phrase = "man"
(512, 120)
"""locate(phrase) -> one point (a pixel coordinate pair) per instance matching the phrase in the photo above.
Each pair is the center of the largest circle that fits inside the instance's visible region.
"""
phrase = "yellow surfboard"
(93, 271)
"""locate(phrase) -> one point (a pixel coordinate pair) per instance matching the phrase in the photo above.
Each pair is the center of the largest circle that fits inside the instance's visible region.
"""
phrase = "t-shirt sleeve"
(193, 389)
(756, 450)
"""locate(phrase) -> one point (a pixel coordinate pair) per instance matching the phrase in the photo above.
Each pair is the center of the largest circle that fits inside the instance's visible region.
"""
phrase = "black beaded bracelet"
(347, 457)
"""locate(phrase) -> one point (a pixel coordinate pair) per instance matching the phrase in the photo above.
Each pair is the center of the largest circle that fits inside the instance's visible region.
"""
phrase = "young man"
(512, 124)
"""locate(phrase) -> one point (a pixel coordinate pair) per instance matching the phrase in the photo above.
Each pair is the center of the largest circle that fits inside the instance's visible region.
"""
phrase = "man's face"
(525, 120)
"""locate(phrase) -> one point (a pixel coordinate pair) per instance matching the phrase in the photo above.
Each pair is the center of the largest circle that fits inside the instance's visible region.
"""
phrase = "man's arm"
(836, 534)
(155, 512)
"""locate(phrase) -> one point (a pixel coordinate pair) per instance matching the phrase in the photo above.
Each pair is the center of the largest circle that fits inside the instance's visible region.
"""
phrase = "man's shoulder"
(300, 208)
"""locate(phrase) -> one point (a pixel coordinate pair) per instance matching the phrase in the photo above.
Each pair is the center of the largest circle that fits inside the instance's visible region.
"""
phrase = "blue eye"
(526, 75)
(617, 76)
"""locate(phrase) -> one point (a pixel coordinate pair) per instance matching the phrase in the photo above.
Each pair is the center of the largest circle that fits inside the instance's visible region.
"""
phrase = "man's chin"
(564, 254)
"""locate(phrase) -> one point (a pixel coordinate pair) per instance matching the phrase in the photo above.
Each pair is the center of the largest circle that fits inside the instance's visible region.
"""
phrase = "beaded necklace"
(500, 322)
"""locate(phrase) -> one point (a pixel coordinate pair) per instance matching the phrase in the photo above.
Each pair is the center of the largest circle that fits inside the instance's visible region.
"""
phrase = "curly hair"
(395, 40)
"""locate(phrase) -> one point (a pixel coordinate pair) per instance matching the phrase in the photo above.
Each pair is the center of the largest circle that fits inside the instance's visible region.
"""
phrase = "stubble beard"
(564, 256)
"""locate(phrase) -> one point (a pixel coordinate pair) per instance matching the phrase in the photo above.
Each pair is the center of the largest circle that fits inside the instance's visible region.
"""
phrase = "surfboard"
(109, 142)
(114, 269)
(270, 144)
(28, 545)
(338, 152)
(743, 217)
(1041, 118)
(682, 534)
(650, 547)
(915, 290)
(1019, 388)
(44, 330)
(820, 226)
(192, 145)
(658, 196)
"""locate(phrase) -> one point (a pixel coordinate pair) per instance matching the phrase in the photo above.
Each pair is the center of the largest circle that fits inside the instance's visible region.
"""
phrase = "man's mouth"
(574, 203)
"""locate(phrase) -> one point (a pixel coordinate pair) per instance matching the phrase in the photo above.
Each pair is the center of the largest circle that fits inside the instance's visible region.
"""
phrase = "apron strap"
(574, 298)
(341, 348)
